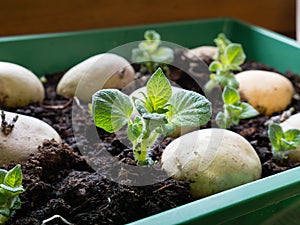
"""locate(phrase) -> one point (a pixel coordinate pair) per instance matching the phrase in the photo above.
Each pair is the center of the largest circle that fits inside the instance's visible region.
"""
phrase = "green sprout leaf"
(140, 56)
(229, 58)
(163, 55)
(188, 108)
(13, 178)
(14, 191)
(293, 135)
(248, 111)
(234, 110)
(152, 35)
(283, 141)
(215, 66)
(111, 109)
(10, 188)
(159, 112)
(159, 89)
(2, 175)
(221, 121)
(150, 54)
(234, 55)
(275, 134)
(230, 95)
(136, 129)
(222, 42)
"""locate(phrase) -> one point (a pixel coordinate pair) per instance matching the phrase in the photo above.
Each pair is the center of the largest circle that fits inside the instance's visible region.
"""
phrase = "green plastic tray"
(272, 200)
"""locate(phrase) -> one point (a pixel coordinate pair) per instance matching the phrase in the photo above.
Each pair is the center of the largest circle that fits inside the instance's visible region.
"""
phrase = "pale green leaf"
(163, 55)
(13, 178)
(248, 111)
(292, 135)
(234, 110)
(140, 56)
(230, 95)
(159, 89)
(222, 42)
(135, 130)
(188, 108)
(275, 134)
(13, 191)
(215, 66)
(287, 145)
(221, 121)
(140, 106)
(149, 46)
(234, 54)
(151, 35)
(111, 109)
(2, 175)
(4, 212)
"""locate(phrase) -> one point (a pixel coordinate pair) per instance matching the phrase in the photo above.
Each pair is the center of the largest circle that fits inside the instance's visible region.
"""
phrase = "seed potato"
(19, 87)
(97, 72)
(267, 92)
(28, 133)
(212, 160)
(204, 52)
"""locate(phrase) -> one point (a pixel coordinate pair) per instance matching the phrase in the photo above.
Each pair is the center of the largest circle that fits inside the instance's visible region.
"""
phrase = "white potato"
(267, 92)
(24, 139)
(95, 73)
(204, 51)
(19, 86)
(212, 160)
(178, 130)
(291, 123)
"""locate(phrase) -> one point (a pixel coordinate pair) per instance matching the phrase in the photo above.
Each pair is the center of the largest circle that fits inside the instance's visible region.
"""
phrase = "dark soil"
(58, 179)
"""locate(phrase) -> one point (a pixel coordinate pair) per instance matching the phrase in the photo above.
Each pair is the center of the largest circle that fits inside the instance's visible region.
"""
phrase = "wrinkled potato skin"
(19, 87)
(267, 92)
(212, 160)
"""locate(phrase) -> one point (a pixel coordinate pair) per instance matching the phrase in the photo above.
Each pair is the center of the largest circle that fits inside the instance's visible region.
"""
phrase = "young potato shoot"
(151, 55)
(140, 93)
(211, 160)
(229, 58)
(10, 189)
(158, 113)
(234, 110)
(285, 144)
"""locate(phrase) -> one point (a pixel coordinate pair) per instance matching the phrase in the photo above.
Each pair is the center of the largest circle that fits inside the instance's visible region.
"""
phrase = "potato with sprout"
(21, 136)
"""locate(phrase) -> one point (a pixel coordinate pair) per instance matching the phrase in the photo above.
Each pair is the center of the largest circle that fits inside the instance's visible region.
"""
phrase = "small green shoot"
(234, 110)
(150, 55)
(10, 188)
(283, 141)
(229, 58)
(158, 113)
